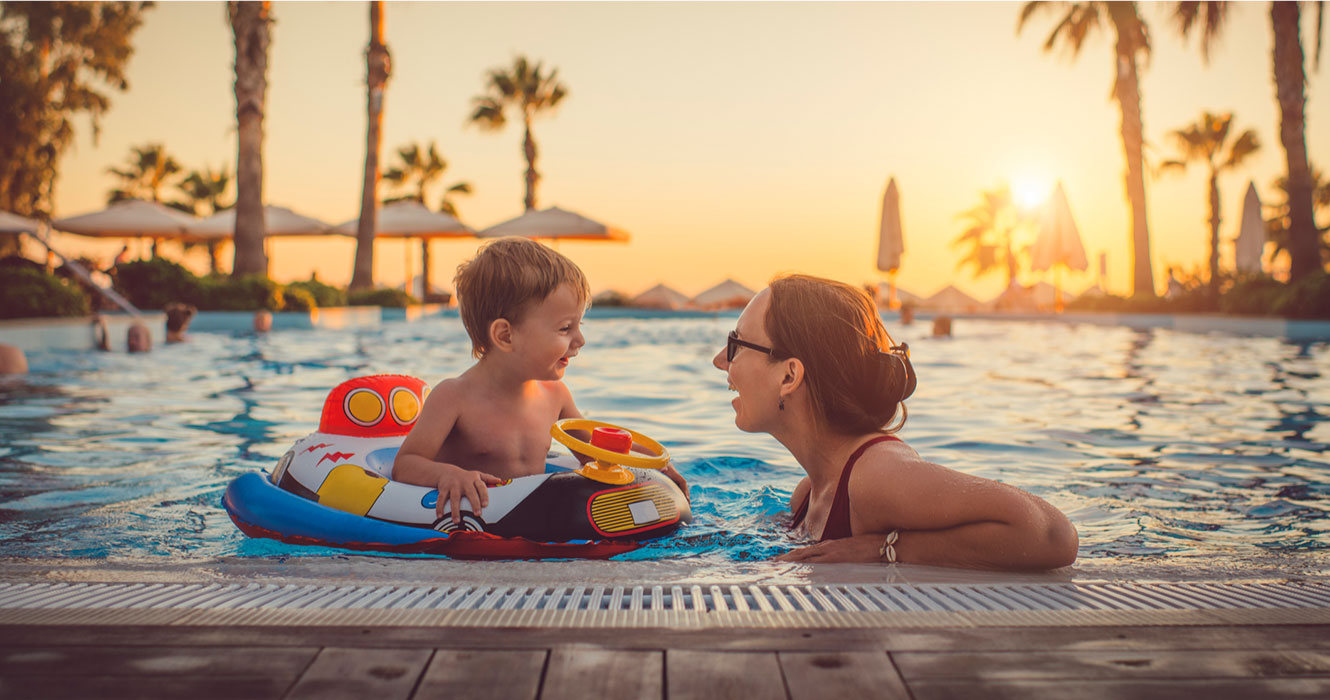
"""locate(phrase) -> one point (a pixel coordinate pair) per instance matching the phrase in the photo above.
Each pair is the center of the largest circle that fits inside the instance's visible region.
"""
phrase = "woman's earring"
(781, 405)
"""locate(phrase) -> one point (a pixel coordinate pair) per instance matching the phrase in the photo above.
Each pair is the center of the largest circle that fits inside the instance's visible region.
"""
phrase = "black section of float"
(559, 510)
(289, 483)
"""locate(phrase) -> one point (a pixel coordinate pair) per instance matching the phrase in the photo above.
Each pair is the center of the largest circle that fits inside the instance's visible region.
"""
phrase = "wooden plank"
(711, 675)
(155, 661)
(852, 674)
(454, 673)
(382, 674)
(83, 687)
(579, 672)
(1230, 689)
(1053, 665)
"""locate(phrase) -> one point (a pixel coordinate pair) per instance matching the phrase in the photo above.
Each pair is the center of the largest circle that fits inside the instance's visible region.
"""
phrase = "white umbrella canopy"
(1059, 241)
(13, 223)
(726, 295)
(1250, 243)
(132, 218)
(410, 219)
(277, 221)
(660, 297)
(949, 298)
(555, 223)
(891, 239)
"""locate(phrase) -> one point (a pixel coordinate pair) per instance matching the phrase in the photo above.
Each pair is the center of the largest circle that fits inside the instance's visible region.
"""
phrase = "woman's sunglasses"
(733, 343)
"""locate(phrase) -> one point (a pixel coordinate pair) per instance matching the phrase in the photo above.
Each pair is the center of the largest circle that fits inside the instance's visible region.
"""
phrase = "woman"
(814, 367)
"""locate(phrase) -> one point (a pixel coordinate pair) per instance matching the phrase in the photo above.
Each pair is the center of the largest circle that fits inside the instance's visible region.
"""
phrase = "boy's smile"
(550, 333)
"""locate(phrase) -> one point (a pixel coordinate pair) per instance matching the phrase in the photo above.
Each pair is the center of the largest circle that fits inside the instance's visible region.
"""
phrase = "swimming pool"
(1170, 451)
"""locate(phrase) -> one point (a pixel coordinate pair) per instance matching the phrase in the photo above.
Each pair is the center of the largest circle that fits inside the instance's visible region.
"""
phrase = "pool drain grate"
(667, 605)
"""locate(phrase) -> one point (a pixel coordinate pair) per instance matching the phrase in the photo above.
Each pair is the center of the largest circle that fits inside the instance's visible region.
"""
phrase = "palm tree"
(1132, 43)
(378, 67)
(144, 174)
(990, 234)
(1277, 226)
(203, 191)
(529, 90)
(418, 171)
(250, 25)
(1290, 83)
(1205, 141)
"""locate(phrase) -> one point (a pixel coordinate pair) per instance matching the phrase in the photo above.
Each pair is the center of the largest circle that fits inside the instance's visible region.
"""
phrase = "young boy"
(522, 306)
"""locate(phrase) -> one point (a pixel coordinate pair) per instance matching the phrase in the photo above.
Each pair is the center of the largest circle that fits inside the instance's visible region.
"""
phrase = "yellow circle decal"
(364, 407)
(405, 405)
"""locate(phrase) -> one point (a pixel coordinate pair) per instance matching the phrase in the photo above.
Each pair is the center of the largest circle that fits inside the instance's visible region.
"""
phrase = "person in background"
(101, 337)
(122, 256)
(178, 317)
(814, 368)
(1174, 289)
(139, 338)
(12, 360)
(262, 321)
(907, 313)
(942, 327)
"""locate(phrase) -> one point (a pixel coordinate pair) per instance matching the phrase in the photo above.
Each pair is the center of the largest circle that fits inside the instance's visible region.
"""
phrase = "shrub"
(247, 293)
(29, 293)
(297, 299)
(1306, 298)
(152, 284)
(381, 296)
(324, 295)
(1254, 296)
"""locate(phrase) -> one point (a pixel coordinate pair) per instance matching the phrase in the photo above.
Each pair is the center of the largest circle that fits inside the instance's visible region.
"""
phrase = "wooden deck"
(388, 662)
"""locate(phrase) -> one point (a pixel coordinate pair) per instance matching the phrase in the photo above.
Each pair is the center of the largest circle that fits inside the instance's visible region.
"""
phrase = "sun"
(1030, 191)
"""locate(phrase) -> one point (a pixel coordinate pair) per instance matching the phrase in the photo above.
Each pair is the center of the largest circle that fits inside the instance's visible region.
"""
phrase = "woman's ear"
(793, 378)
(501, 335)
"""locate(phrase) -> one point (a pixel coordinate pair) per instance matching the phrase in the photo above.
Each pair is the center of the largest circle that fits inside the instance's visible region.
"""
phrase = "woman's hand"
(455, 483)
(860, 548)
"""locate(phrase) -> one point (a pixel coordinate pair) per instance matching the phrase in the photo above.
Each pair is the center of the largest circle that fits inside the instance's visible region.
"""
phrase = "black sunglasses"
(733, 343)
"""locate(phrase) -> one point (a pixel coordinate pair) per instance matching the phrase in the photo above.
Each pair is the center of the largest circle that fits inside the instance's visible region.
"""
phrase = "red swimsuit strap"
(838, 520)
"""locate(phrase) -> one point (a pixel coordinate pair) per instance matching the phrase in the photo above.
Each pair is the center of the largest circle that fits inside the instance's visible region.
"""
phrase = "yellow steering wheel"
(608, 464)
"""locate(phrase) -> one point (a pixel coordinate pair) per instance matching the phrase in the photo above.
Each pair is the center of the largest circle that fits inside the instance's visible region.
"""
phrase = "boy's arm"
(415, 463)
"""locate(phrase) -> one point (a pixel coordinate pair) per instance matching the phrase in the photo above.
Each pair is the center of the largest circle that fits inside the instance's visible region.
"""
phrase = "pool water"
(1166, 449)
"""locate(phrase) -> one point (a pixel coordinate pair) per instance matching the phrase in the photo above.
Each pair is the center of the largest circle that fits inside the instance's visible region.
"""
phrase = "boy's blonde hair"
(504, 278)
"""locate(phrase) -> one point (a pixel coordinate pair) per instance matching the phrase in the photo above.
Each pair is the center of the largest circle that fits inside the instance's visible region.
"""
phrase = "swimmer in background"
(522, 306)
(178, 317)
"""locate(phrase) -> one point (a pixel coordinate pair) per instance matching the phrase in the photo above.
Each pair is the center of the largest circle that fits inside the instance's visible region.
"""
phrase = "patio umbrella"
(659, 297)
(950, 298)
(558, 224)
(1058, 243)
(890, 240)
(132, 218)
(13, 223)
(277, 221)
(409, 219)
(726, 295)
(1250, 243)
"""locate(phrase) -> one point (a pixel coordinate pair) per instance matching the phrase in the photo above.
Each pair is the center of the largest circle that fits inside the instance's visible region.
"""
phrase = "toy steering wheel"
(594, 450)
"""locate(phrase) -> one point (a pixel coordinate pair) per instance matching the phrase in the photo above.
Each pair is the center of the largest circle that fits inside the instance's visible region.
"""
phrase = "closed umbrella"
(132, 218)
(890, 240)
(1250, 243)
(1058, 243)
(558, 224)
(407, 219)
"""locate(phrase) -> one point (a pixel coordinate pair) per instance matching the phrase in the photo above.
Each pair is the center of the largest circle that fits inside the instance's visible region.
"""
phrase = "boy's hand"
(677, 478)
(456, 483)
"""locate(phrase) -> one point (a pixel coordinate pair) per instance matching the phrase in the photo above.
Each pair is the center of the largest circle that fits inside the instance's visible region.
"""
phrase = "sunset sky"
(730, 139)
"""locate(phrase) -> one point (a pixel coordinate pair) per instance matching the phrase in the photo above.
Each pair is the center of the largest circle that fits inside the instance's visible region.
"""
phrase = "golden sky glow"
(731, 139)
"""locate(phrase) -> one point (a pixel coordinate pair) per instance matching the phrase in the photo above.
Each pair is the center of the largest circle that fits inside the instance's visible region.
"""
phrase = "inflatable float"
(333, 488)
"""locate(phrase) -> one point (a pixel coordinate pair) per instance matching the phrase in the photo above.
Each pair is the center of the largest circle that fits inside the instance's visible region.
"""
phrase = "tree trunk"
(1214, 233)
(249, 24)
(529, 148)
(1290, 81)
(424, 270)
(1126, 89)
(378, 68)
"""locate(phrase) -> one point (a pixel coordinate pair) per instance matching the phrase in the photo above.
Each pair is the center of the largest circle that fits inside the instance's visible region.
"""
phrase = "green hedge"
(325, 295)
(297, 299)
(381, 296)
(29, 293)
(152, 284)
(246, 293)
(1247, 296)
